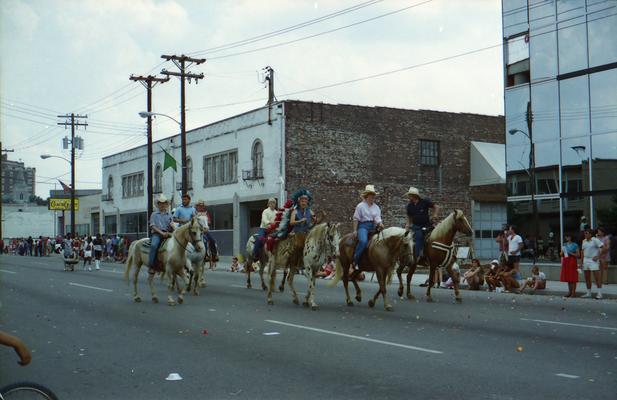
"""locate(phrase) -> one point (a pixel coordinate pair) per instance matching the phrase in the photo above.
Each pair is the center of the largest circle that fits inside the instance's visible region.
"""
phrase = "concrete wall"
(335, 150)
(23, 220)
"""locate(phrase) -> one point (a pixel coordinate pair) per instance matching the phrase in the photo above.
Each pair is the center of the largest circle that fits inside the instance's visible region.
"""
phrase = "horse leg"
(136, 296)
(412, 270)
(180, 286)
(431, 282)
(399, 275)
(262, 267)
(456, 276)
(346, 283)
(248, 267)
(272, 270)
(358, 290)
(290, 279)
(170, 285)
(383, 287)
(151, 275)
(285, 274)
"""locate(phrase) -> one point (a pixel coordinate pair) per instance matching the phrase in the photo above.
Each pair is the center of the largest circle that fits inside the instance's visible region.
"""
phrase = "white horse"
(171, 254)
(195, 262)
(322, 241)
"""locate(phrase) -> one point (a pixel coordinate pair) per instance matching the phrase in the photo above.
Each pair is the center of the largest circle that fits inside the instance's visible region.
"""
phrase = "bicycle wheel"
(26, 390)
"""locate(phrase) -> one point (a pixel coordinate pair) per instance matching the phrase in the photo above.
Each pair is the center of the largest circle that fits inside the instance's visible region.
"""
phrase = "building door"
(488, 219)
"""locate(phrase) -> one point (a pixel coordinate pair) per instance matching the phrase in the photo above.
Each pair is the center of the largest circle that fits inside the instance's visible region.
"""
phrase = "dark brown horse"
(438, 252)
(252, 262)
(383, 251)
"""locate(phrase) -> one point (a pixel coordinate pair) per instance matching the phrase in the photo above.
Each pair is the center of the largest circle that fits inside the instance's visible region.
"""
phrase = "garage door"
(487, 220)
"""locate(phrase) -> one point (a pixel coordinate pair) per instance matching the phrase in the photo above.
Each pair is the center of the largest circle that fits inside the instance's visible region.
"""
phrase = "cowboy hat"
(495, 262)
(200, 202)
(368, 189)
(413, 191)
(162, 199)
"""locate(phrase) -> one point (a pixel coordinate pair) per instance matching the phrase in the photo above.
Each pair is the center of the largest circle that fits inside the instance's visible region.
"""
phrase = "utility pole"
(149, 82)
(74, 122)
(2, 151)
(532, 175)
(183, 63)
(271, 97)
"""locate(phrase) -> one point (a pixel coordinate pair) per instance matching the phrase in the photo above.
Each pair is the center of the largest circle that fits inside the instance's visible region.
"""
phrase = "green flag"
(169, 162)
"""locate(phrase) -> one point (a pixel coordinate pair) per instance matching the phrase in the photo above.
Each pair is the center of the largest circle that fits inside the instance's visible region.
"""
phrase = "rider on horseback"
(366, 218)
(267, 217)
(302, 217)
(418, 218)
(160, 226)
(184, 212)
(204, 219)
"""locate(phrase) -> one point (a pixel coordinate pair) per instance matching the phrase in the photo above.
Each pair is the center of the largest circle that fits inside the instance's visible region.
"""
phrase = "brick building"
(337, 149)
(18, 181)
(333, 150)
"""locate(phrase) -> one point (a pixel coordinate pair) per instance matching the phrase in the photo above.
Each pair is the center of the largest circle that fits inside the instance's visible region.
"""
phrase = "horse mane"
(390, 232)
(445, 225)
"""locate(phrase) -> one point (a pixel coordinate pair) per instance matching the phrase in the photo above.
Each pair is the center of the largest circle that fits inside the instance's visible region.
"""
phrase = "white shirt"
(267, 217)
(591, 249)
(541, 276)
(513, 242)
(364, 213)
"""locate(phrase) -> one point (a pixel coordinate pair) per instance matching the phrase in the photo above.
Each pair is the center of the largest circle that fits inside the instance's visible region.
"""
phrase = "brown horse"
(438, 252)
(384, 250)
(262, 259)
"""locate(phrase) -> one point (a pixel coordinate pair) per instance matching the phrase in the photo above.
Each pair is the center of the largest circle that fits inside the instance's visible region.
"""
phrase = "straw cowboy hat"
(200, 202)
(412, 191)
(368, 189)
(162, 199)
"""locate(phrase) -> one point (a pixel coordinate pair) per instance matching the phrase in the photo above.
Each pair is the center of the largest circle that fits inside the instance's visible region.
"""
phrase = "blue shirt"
(571, 248)
(161, 220)
(185, 213)
(305, 227)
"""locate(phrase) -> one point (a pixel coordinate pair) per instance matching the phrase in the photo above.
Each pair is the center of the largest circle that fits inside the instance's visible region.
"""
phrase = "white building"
(235, 165)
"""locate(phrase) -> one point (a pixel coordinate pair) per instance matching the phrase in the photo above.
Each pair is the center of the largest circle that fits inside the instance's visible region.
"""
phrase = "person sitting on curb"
(511, 279)
(474, 276)
(492, 276)
(537, 281)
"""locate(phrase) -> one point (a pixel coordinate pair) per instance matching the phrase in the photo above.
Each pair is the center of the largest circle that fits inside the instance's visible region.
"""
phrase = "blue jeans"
(418, 234)
(259, 242)
(155, 242)
(363, 230)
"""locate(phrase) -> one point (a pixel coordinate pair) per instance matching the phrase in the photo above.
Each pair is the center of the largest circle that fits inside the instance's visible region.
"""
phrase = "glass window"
(257, 158)
(572, 36)
(541, 13)
(158, 178)
(516, 108)
(544, 101)
(602, 27)
(568, 9)
(222, 216)
(429, 152)
(543, 49)
(110, 187)
(575, 164)
(605, 208)
(574, 105)
(547, 167)
(604, 161)
(514, 17)
(603, 87)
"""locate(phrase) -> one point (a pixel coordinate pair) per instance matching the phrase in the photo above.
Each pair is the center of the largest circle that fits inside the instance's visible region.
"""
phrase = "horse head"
(195, 234)
(406, 253)
(461, 223)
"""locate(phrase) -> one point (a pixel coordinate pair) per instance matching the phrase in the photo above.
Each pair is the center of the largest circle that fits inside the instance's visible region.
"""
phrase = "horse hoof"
(171, 303)
(349, 303)
(389, 307)
(137, 299)
(359, 299)
(429, 299)
(202, 285)
(180, 300)
(155, 300)
(410, 296)
(195, 293)
(249, 286)
(270, 302)
(459, 300)
(315, 307)
(305, 303)
(371, 303)
(264, 287)
(296, 302)
(281, 288)
(400, 293)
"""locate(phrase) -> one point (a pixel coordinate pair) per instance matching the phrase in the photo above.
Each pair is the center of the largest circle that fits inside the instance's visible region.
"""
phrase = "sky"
(64, 56)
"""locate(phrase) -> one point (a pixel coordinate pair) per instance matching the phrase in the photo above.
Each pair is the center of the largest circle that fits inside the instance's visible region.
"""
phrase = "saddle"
(158, 265)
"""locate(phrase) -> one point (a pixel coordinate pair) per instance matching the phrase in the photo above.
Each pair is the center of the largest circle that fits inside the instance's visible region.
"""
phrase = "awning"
(488, 164)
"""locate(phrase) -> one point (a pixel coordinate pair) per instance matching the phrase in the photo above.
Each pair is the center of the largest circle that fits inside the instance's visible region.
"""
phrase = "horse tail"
(129, 260)
(339, 274)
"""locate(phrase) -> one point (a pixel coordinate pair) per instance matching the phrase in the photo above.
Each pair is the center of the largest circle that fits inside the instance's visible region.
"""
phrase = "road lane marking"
(239, 286)
(89, 287)
(570, 324)
(308, 328)
(7, 271)
(568, 376)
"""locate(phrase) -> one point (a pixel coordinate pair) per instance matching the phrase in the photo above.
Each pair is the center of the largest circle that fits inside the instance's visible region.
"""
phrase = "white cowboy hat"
(200, 202)
(495, 262)
(162, 199)
(368, 189)
(413, 191)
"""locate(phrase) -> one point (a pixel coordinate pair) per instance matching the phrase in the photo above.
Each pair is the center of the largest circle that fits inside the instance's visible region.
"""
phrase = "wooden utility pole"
(74, 122)
(271, 97)
(149, 82)
(183, 63)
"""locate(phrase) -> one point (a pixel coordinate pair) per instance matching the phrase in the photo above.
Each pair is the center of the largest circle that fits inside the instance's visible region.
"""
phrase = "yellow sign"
(62, 204)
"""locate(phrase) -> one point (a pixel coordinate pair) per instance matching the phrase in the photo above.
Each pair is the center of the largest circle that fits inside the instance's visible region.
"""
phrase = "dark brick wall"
(335, 150)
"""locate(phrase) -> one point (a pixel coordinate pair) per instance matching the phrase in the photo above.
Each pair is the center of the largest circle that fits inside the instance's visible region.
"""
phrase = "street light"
(45, 157)
(146, 114)
(532, 175)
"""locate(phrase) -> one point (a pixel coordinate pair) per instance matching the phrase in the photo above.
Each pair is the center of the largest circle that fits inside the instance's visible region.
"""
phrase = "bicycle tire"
(16, 390)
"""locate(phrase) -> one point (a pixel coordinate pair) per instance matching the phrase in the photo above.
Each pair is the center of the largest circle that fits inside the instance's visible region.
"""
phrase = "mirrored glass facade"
(561, 123)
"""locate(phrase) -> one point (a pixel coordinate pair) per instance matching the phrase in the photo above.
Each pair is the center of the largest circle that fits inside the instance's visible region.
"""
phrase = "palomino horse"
(286, 253)
(438, 252)
(172, 255)
(321, 241)
(262, 258)
(383, 251)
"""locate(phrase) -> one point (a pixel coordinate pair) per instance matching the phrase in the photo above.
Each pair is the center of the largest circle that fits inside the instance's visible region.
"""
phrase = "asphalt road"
(91, 341)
